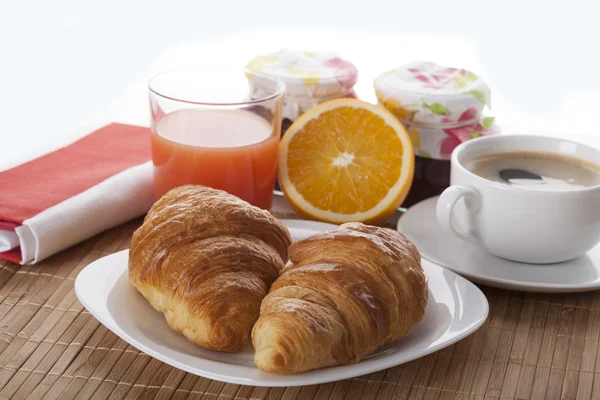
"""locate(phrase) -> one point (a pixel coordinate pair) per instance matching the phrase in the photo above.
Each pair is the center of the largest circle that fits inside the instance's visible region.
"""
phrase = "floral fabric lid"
(439, 106)
(307, 73)
(427, 93)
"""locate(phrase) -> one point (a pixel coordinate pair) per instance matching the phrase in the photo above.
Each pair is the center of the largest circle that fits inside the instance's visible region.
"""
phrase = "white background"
(67, 64)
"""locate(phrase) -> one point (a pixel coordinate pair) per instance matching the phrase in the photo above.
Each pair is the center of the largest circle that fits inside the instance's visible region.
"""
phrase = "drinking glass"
(209, 128)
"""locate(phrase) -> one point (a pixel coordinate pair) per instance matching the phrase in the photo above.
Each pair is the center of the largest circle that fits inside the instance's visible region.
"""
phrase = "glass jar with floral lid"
(440, 107)
(310, 78)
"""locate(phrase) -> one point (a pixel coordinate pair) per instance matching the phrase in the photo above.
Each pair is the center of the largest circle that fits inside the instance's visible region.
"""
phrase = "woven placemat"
(533, 346)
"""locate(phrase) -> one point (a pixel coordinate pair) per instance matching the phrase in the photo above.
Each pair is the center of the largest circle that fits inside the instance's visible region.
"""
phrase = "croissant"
(206, 259)
(346, 292)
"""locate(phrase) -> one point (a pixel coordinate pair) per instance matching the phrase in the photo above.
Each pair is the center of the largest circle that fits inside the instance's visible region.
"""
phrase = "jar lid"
(427, 93)
(307, 73)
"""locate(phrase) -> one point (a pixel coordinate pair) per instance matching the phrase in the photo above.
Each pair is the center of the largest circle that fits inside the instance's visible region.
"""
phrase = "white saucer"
(419, 224)
(456, 308)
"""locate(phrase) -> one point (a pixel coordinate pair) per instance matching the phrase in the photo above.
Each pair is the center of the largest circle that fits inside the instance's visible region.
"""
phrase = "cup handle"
(445, 210)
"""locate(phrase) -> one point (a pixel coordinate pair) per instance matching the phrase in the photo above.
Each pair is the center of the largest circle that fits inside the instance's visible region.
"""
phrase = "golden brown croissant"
(206, 259)
(346, 292)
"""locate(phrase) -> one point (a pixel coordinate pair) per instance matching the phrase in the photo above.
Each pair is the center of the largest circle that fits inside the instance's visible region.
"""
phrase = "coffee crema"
(536, 170)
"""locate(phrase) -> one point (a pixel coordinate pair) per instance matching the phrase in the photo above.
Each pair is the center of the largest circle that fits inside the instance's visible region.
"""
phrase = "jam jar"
(440, 107)
(310, 78)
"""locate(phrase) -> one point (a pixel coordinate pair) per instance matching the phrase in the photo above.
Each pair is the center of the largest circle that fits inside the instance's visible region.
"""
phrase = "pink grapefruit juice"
(232, 150)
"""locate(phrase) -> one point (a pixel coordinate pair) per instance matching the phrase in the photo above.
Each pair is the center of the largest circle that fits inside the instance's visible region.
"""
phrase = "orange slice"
(346, 160)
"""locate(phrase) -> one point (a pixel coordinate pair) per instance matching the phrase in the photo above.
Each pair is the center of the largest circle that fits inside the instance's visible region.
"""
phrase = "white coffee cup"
(518, 223)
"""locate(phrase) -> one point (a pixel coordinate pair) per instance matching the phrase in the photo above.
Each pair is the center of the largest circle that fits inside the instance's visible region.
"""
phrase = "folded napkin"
(71, 194)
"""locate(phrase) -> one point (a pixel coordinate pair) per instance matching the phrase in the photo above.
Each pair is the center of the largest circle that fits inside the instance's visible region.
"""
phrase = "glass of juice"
(209, 128)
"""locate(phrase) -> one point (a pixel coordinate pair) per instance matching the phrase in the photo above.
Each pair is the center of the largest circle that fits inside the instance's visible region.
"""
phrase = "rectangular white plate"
(456, 308)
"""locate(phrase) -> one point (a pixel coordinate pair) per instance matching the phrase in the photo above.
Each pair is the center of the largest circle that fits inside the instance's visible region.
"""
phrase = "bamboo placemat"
(533, 346)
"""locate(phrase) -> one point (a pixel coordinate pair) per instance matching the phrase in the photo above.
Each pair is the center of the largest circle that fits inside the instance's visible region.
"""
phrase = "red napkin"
(33, 187)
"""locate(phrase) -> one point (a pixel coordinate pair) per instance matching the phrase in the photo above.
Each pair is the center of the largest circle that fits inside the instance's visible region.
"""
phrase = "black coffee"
(537, 171)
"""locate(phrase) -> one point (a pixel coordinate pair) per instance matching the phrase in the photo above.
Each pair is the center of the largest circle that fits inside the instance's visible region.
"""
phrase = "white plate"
(456, 308)
(419, 224)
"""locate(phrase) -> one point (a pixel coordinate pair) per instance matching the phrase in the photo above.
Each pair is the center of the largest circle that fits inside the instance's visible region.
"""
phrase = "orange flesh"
(345, 160)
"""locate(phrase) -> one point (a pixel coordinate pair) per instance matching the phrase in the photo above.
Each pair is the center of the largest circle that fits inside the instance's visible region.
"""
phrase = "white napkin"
(8, 240)
(118, 199)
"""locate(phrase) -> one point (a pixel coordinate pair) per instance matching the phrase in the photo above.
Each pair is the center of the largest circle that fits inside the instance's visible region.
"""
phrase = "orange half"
(346, 160)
